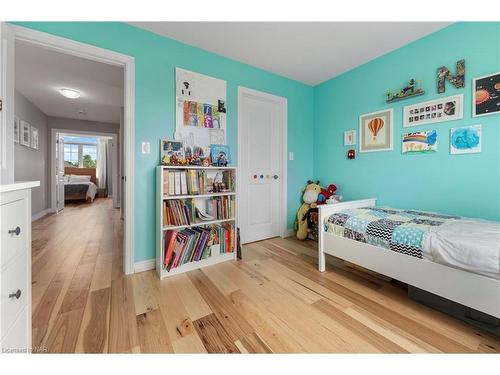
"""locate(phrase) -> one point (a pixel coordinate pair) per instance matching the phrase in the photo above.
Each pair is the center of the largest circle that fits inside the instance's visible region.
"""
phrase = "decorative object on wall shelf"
(172, 152)
(439, 110)
(25, 134)
(349, 137)
(34, 142)
(220, 155)
(376, 131)
(486, 95)
(406, 92)
(419, 142)
(457, 80)
(17, 131)
(465, 140)
(351, 154)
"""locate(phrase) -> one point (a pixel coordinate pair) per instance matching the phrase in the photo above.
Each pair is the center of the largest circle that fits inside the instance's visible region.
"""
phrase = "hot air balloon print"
(376, 131)
(375, 126)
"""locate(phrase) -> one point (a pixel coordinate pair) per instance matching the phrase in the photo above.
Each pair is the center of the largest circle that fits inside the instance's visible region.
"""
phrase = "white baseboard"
(41, 214)
(145, 265)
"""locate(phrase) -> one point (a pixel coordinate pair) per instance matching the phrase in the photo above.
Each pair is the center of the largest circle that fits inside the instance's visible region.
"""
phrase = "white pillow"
(76, 178)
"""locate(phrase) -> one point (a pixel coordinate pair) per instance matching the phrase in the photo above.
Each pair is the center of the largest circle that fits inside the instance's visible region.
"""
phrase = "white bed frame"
(478, 292)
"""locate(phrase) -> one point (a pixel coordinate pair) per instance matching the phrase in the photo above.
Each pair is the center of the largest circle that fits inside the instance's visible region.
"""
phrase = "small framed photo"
(376, 131)
(34, 138)
(16, 130)
(486, 95)
(349, 137)
(25, 139)
(172, 152)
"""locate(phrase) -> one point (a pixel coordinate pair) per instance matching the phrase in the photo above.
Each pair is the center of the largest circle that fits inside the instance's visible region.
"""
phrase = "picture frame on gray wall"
(25, 139)
(34, 135)
(16, 130)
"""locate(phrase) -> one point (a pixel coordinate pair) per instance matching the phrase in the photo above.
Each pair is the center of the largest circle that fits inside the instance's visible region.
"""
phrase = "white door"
(113, 171)
(59, 172)
(261, 146)
(7, 104)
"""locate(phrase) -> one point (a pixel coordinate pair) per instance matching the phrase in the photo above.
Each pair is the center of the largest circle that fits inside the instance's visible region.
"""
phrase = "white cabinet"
(15, 267)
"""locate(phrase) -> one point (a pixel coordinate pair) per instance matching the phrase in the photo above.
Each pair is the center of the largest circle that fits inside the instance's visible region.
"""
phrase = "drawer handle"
(16, 231)
(16, 294)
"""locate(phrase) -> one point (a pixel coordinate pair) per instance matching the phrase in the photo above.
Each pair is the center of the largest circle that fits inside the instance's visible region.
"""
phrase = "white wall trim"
(284, 151)
(145, 265)
(41, 214)
(94, 53)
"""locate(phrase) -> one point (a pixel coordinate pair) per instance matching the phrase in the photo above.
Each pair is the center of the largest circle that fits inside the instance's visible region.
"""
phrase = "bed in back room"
(80, 184)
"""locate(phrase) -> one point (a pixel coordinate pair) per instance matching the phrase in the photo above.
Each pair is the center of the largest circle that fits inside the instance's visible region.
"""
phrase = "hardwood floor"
(274, 301)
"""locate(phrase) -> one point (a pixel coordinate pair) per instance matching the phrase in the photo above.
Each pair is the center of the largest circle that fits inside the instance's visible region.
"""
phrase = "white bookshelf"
(162, 196)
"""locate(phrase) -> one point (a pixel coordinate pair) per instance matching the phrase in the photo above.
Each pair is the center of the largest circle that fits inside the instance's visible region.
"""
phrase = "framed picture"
(16, 130)
(438, 110)
(486, 95)
(376, 131)
(172, 152)
(419, 142)
(25, 134)
(465, 140)
(349, 137)
(34, 138)
(220, 155)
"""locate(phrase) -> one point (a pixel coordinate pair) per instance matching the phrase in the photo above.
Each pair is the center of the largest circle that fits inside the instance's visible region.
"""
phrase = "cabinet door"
(14, 230)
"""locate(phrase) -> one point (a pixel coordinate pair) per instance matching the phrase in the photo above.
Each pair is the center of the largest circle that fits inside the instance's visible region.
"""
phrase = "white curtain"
(102, 155)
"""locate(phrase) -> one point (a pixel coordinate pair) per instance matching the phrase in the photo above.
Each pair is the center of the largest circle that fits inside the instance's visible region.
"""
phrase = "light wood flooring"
(274, 300)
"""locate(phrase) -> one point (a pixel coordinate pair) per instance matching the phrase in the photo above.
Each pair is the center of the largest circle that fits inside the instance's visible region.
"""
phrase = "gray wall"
(31, 164)
(82, 125)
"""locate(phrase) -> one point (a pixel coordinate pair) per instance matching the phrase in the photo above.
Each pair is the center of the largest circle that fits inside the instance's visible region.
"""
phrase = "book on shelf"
(197, 181)
(195, 244)
(179, 212)
(221, 207)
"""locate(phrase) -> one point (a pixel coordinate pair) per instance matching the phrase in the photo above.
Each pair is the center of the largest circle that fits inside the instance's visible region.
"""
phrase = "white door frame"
(283, 180)
(90, 52)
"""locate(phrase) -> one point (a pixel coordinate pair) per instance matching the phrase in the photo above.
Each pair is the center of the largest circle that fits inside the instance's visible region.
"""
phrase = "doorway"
(262, 149)
(84, 153)
(10, 35)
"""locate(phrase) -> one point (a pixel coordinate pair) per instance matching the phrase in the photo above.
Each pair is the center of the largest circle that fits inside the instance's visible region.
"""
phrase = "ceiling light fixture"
(70, 93)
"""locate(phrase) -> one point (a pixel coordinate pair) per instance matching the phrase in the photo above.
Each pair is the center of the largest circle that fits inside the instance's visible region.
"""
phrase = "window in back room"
(80, 152)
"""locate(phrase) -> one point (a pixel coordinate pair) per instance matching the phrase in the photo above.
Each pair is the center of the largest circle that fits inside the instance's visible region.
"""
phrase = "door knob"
(16, 294)
(275, 176)
(16, 231)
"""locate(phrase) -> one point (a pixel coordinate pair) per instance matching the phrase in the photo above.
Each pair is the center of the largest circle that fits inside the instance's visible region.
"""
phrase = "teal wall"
(457, 184)
(155, 60)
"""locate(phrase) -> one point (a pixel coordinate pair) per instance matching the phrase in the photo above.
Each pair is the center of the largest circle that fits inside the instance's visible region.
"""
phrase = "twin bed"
(452, 257)
(80, 184)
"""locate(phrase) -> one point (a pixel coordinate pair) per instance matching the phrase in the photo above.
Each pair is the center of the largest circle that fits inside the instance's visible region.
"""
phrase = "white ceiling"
(309, 52)
(41, 72)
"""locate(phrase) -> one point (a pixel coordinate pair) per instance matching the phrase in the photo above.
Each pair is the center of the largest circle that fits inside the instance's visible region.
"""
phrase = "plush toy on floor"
(309, 199)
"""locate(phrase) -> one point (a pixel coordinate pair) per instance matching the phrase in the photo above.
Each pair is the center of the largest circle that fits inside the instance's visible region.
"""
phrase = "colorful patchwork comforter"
(402, 231)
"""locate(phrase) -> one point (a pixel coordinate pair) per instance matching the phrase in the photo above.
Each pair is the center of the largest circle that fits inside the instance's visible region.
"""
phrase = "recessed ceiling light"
(70, 93)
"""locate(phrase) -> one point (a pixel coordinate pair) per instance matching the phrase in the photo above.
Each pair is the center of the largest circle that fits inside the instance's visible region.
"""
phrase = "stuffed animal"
(326, 194)
(309, 198)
